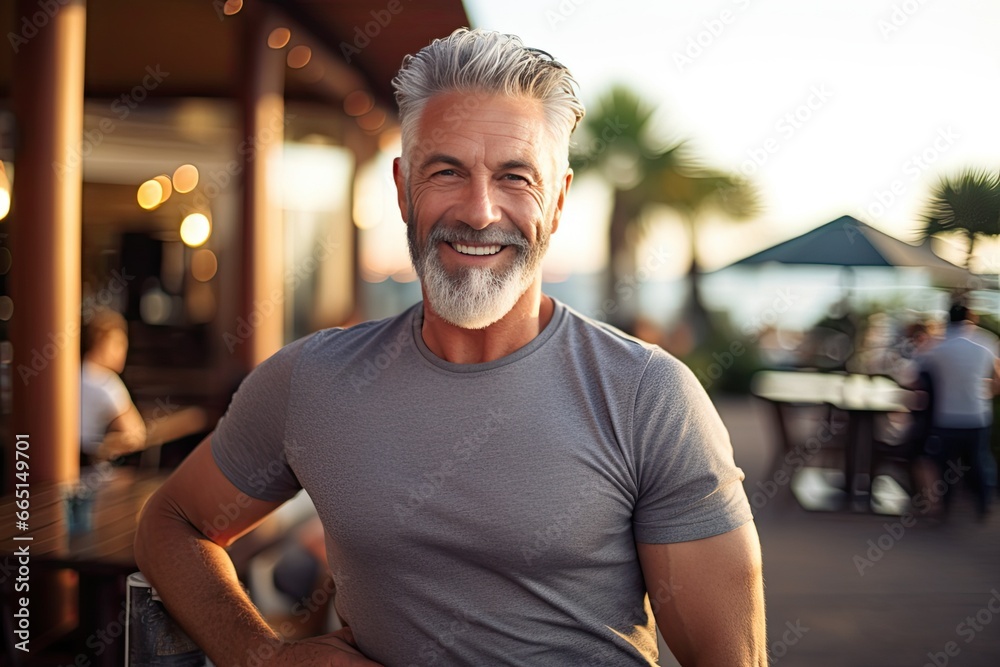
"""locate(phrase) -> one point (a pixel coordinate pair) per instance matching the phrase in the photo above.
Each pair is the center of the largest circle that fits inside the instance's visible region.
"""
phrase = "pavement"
(865, 590)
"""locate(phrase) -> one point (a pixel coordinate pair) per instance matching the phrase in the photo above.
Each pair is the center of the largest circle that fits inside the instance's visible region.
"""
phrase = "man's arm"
(711, 598)
(126, 434)
(995, 384)
(180, 548)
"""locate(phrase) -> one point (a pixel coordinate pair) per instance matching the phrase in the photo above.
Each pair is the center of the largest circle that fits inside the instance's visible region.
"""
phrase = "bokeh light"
(358, 103)
(299, 56)
(278, 39)
(185, 178)
(155, 306)
(4, 192)
(150, 194)
(195, 229)
(204, 265)
(165, 184)
(372, 121)
(232, 7)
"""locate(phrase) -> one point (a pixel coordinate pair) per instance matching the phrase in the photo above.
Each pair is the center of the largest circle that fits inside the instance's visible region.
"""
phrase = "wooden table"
(861, 397)
(102, 557)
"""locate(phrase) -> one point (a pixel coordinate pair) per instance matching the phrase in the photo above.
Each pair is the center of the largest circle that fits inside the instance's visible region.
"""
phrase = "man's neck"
(520, 326)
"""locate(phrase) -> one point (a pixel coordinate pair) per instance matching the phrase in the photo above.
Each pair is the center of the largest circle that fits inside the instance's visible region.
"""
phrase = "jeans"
(968, 447)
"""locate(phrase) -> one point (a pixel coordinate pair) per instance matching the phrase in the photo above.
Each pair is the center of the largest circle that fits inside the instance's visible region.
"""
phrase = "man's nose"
(479, 208)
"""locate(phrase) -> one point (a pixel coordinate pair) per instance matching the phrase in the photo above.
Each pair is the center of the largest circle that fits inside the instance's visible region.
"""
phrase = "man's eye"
(445, 172)
(515, 177)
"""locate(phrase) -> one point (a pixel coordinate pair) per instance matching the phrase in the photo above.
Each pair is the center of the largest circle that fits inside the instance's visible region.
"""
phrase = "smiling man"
(518, 485)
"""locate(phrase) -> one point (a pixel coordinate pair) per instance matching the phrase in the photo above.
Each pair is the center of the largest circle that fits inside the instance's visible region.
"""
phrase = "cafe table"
(101, 555)
(861, 397)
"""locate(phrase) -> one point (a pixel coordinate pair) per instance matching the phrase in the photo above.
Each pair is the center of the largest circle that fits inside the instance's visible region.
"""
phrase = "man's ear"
(561, 199)
(400, 179)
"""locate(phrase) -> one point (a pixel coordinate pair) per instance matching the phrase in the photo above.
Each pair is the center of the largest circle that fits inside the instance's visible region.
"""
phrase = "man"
(501, 480)
(110, 424)
(965, 376)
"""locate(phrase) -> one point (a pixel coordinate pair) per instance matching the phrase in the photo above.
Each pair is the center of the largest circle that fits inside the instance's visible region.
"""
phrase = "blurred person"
(500, 479)
(965, 376)
(978, 334)
(110, 424)
(910, 373)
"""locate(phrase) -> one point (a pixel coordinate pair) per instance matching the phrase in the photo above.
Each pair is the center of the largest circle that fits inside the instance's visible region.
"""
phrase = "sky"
(829, 107)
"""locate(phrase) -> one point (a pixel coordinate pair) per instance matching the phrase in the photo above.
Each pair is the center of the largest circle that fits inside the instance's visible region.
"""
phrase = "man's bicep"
(708, 597)
(201, 494)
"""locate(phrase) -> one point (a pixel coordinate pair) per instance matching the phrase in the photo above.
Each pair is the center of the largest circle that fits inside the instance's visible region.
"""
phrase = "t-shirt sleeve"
(689, 485)
(117, 397)
(248, 443)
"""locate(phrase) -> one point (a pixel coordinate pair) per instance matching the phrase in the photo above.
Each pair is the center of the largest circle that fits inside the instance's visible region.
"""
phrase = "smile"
(476, 250)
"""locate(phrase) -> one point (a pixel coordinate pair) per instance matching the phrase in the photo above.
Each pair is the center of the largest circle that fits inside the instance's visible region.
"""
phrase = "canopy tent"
(847, 241)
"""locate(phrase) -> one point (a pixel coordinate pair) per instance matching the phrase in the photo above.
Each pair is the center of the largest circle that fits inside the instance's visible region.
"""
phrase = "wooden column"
(45, 235)
(263, 106)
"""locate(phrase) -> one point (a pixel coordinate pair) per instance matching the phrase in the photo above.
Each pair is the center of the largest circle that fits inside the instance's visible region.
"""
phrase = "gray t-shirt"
(487, 514)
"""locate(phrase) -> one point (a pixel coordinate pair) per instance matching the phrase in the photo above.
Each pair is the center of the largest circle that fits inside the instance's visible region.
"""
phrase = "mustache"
(491, 235)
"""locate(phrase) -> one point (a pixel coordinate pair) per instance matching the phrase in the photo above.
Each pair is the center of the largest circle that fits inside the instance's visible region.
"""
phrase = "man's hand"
(336, 649)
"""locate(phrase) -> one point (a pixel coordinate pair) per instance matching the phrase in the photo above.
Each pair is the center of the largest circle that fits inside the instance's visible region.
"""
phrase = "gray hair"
(487, 62)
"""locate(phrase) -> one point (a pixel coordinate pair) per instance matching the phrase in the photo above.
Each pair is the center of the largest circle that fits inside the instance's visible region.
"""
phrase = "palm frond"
(968, 202)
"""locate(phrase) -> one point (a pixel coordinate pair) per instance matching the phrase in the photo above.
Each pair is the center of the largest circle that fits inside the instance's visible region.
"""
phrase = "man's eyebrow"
(441, 158)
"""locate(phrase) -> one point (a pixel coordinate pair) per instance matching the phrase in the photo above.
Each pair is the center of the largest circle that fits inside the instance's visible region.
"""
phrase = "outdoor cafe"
(138, 145)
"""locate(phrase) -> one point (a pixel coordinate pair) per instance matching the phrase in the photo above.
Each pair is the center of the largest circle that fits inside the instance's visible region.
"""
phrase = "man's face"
(484, 191)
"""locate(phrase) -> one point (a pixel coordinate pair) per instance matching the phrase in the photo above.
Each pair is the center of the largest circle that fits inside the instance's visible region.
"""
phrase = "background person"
(110, 424)
(965, 376)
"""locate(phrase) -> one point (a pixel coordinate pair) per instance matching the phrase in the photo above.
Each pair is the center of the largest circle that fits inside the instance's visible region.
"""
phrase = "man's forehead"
(507, 128)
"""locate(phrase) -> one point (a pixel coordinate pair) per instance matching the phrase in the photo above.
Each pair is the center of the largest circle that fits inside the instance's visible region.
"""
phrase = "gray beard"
(474, 298)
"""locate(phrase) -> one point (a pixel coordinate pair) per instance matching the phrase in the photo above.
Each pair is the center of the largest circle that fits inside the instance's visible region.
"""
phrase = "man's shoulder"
(612, 348)
(338, 341)
(98, 377)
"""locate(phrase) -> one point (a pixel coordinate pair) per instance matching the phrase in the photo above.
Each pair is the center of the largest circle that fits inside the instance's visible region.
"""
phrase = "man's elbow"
(160, 527)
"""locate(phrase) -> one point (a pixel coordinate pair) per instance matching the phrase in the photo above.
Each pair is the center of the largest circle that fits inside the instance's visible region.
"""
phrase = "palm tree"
(968, 203)
(620, 144)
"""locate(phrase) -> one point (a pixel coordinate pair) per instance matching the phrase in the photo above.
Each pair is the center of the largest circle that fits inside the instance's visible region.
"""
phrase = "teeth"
(476, 250)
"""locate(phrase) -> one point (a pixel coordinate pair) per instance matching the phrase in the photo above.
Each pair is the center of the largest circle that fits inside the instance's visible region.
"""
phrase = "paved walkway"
(862, 590)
